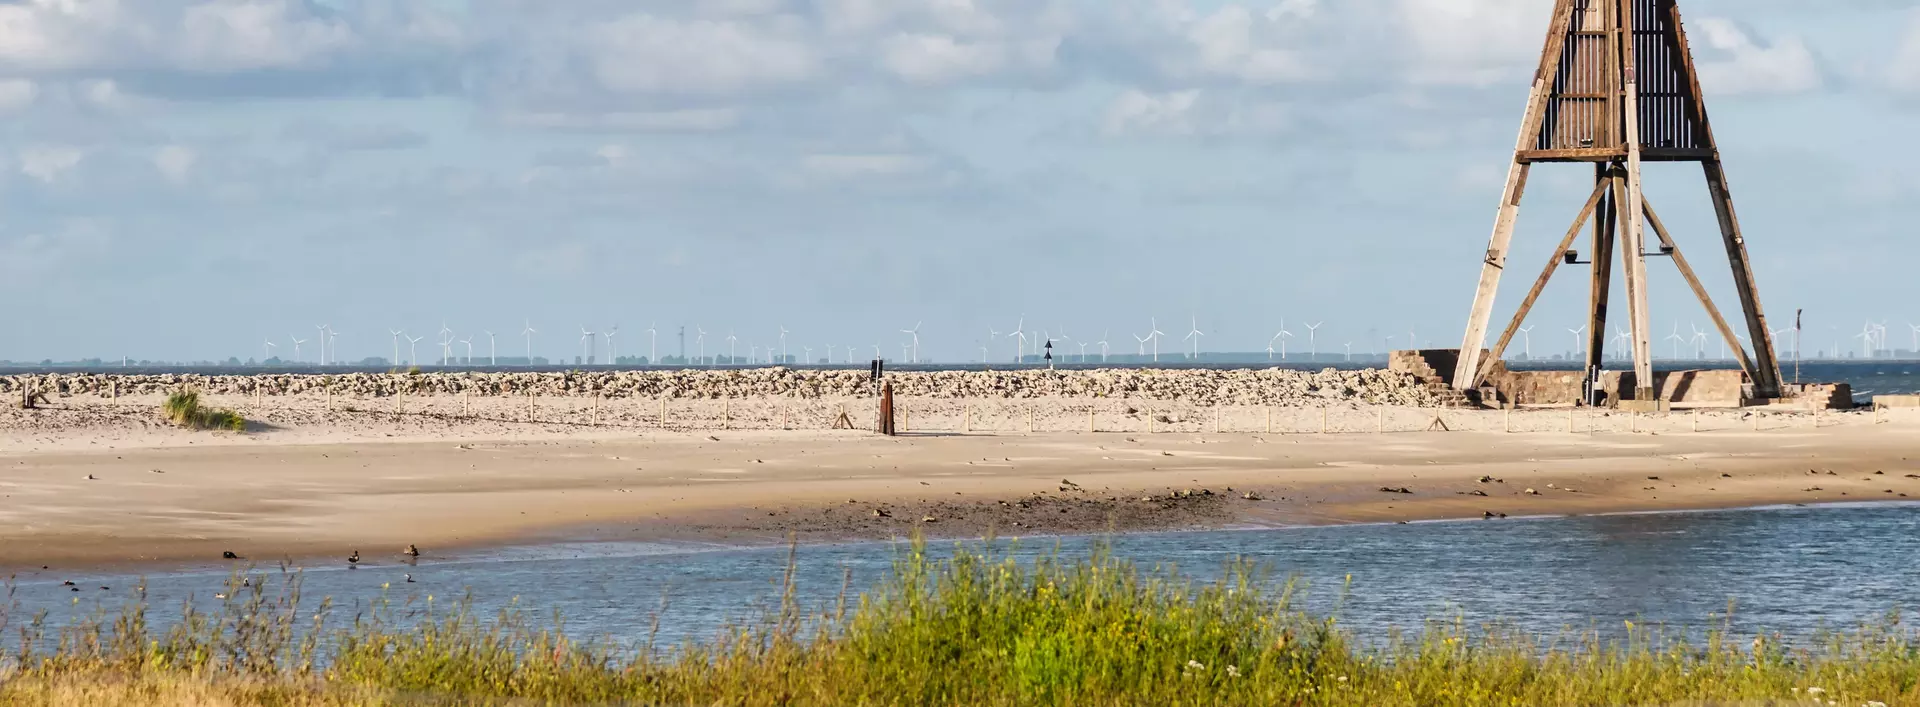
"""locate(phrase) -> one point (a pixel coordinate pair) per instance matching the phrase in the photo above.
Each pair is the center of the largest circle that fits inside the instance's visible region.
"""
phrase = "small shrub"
(183, 408)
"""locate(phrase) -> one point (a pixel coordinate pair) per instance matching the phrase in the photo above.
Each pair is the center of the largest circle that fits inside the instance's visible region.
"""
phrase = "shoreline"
(317, 485)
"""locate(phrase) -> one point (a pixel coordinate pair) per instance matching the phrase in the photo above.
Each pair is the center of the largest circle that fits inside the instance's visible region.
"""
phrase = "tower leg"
(1766, 367)
(1466, 371)
(1603, 235)
(1633, 264)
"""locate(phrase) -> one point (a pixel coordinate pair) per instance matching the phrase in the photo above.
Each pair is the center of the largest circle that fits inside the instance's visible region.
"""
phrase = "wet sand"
(107, 492)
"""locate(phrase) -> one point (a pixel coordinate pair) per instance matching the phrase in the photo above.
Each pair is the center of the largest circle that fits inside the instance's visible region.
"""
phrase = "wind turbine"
(613, 355)
(446, 344)
(528, 333)
(983, 351)
(1866, 340)
(1526, 341)
(1313, 347)
(1676, 339)
(701, 341)
(1281, 337)
(493, 351)
(296, 347)
(586, 344)
(1019, 335)
(730, 342)
(1700, 342)
(653, 344)
(1194, 336)
(806, 352)
(1621, 336)
(783, 343)
(830, 355)
(1143, 344)
(1103, 345)
(1577, 335)
(1349, 352)
(323, 343)
(1154, 336)
(270, 347)
(469, 342)
(1916, 336)
(396, 345)
(915, 333)
(413, 348)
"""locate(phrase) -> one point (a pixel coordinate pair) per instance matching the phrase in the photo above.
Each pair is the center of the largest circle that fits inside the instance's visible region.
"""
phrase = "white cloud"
(1195, 113)
(848, 166)
(1904, 73)
(689, 120)
(1732, 63)
(48, 163)
(647, 54)
(935, 58)
(1136, 112)
(175, 162)
(17, 94)
(1471, 42)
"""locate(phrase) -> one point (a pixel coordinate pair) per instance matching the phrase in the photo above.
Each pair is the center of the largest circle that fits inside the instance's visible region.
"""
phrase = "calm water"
(1791, 569)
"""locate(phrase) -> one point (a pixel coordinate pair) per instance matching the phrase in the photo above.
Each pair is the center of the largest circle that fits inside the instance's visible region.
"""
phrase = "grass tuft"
(977, 629)
(183, 408)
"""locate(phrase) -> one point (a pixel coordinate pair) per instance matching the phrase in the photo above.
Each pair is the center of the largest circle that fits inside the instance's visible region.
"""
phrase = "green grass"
(183, 408)
(979, 629)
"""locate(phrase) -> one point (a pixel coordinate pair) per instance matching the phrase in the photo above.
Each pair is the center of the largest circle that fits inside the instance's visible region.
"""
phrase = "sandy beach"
(96, 482)
(91, 481)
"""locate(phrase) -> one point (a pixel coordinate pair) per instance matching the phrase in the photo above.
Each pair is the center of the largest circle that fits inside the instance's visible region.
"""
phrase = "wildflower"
(1192, 666)
(1343, 678)
(1815, 691)
(1234, 672)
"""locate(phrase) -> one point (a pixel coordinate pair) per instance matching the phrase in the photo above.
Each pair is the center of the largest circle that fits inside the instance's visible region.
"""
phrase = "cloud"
(1732, 63)
(646, 54)
(175, 162)
(33, 257)
(1904, 70)
(17, 94)
(49, 163)
(201, 47)
(1196, 113)
(354, 137)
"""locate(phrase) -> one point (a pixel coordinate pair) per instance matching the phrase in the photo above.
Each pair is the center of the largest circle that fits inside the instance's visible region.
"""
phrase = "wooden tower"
(1617, 87)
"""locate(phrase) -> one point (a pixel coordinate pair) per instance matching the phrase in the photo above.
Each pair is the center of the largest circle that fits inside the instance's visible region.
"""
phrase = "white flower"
(1343, 678)
(1815, 691)
(1234, 672)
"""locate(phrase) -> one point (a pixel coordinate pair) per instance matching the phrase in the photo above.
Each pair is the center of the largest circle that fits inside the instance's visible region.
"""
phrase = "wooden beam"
(1633, 222)
(1602, 267)
(1539, 285)
(1495, 261)
(1766, 376)
(1699, 290)
(1613, 154)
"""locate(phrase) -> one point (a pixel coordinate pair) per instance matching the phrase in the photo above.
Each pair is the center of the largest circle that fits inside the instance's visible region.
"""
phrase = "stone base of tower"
(1693, 388)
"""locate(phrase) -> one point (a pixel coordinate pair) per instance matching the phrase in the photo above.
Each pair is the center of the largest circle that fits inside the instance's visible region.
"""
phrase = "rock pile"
(1277, 387)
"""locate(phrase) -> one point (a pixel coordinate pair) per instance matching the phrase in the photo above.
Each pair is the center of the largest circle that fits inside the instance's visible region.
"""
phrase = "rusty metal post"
(886, 409)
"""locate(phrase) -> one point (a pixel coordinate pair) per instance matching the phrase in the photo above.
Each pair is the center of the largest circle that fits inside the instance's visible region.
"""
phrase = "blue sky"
(183, 178)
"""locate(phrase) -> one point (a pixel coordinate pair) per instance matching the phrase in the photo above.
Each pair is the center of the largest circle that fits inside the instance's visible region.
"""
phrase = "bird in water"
(353, 560)
(411, 551)
(409, 579)
(228, 555)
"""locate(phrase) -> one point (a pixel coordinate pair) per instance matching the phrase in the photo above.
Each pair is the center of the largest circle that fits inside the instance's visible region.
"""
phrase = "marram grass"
(183, 408)
(978, 629)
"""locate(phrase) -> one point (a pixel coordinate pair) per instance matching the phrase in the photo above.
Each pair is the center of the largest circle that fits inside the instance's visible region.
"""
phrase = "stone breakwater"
(1277, 387)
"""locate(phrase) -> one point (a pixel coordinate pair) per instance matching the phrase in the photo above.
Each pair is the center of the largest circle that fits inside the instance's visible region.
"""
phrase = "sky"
(183, 179)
